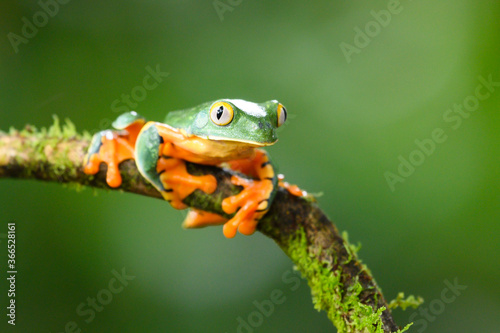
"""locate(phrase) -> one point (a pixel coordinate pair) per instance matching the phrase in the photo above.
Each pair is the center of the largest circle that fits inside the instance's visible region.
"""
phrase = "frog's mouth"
(242, 141)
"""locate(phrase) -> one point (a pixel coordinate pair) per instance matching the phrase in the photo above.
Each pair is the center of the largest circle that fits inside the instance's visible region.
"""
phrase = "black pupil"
(284, 113)
(220, 111)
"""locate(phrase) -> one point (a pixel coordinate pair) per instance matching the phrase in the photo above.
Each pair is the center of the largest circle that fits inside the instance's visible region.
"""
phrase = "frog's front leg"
(162, 164)
(255, 198)
(253, 201)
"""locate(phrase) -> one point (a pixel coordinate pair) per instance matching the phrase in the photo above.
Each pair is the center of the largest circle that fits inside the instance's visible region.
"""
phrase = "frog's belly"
(204, 151)
(212, 152)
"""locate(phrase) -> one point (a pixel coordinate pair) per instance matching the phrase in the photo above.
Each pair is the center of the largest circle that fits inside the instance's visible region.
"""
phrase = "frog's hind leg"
(200, 219)
(113, 147)
(156, 159)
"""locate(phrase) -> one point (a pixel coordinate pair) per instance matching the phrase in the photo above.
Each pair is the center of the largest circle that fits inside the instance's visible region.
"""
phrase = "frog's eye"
(281, 114)
(221, 113)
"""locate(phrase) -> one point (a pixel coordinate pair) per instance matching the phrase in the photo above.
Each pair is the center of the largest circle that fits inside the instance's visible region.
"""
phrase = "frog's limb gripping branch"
(341, 285)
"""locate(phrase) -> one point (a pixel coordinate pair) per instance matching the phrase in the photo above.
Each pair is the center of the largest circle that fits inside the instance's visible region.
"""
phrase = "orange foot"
(253, 203)
(293, 189)
(113, 150)
(178, 183)
(199, 219)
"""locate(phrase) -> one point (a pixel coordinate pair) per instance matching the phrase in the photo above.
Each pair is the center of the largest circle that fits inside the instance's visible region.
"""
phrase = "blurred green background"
(352, 115)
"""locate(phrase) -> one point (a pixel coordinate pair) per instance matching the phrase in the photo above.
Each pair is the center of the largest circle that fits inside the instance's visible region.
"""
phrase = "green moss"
(351, 248)
(66, 131)
(69, 129)
(401, 302)
(342, 304)
(42, 142)
(55, 129)
(86, 135)
(74, 186)
(13, 131)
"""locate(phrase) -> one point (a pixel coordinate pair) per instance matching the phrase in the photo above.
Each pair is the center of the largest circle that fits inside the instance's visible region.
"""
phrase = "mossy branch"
(341, 285)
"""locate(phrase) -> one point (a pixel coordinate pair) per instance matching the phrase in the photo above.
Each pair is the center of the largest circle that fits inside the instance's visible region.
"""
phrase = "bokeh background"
(351, 116)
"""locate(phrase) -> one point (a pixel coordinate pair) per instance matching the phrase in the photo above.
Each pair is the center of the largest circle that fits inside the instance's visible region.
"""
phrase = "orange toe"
(113, 177)
(114, 149)
(199, 219)
(92, 165)
(247, 228)
(229, 230)
(292, 189)
(179, 184)
(250, 205)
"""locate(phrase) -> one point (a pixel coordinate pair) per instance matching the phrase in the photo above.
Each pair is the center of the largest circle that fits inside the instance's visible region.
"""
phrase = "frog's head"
(240, 121)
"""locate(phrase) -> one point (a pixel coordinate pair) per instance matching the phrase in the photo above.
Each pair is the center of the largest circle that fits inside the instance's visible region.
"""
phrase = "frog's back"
(186, 119)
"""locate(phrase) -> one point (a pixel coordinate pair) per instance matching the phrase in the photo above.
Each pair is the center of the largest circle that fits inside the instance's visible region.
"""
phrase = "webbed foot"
(113, 147)
(178, 183)
(292, 189)
(110, 148)
(255, 198)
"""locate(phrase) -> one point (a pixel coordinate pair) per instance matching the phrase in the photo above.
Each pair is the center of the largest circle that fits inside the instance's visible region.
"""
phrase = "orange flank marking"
(244, 166)
(253, 167)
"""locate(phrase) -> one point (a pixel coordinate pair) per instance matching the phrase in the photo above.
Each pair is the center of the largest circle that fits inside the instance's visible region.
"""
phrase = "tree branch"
(341, 285)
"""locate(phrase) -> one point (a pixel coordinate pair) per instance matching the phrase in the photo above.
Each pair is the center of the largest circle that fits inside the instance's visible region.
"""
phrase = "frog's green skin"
(252, 122)
(227, 130)
(126, 119)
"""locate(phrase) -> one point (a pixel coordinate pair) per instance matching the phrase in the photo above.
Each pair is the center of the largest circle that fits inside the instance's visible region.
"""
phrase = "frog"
(226, 132)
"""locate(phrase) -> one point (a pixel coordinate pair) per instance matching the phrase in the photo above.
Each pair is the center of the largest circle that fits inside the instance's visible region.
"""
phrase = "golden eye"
(221, 113)
(281, 114)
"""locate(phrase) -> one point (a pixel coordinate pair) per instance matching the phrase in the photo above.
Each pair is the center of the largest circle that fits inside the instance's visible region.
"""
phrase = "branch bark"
(341, 285)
